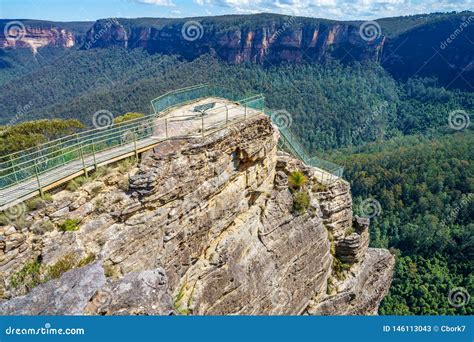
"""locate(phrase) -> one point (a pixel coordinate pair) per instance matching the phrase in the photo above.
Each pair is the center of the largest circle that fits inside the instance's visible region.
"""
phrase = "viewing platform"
(191, 112)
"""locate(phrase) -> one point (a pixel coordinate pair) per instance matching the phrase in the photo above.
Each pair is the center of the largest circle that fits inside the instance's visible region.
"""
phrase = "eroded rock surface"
(200, 226)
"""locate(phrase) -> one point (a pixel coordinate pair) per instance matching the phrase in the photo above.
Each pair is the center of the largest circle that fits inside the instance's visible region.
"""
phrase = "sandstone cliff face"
(279, 40)
(200, 226)
(25, 36)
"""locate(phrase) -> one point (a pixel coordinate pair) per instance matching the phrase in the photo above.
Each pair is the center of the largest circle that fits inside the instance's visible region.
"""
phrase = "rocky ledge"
(199, 226)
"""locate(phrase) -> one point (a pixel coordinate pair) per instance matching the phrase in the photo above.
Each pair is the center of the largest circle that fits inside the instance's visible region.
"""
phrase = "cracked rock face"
(201, 226)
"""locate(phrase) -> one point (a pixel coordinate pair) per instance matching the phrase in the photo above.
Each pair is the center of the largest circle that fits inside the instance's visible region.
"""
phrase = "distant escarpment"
(199, 226)
(272, 39)
(36, 34)
(433, 45)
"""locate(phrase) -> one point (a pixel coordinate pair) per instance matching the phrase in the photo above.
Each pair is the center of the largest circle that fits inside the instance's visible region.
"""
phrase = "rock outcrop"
(15, 34)
(200, 226)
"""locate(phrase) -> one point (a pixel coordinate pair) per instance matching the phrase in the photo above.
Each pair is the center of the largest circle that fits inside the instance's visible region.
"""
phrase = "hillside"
(383, 108)
(405, 46)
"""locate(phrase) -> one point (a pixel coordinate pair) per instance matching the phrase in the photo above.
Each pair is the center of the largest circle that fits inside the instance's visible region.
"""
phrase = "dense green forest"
(424, 187)
(332, 105)
(392, 137)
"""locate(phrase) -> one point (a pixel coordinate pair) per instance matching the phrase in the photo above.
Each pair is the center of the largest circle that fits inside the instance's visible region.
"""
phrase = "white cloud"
(156, 2)
(339, 9)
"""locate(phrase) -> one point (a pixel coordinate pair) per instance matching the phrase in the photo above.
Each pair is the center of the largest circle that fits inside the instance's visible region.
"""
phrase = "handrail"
(29, 163)
(21, 165)
(75, 137)
(70, 137)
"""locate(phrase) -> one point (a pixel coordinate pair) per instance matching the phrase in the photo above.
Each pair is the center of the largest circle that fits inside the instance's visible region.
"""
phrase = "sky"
(89, 10)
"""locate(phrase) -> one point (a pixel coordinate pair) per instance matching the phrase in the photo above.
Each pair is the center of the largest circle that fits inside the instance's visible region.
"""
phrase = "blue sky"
(77, 10)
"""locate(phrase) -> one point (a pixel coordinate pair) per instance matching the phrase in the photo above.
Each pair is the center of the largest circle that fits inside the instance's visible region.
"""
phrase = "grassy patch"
(34, 273)
(90, 258)
(70, 225)
(319, 187)
(63, 265)
(339, 267)
(76, 183)
(35, 203)
(29, 276)
(97, 189)
(330, 287)
(301, 202)
(178, 301)
(125, 165)
(297, 179)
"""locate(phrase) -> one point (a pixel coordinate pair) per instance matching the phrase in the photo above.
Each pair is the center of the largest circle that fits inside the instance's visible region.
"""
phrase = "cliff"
(36, 34)
(272, 39)
(199, 226)
(433, 45)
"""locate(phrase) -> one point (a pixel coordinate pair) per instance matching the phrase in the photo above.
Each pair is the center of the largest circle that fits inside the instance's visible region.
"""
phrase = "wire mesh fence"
(292, 144)
(84, 148)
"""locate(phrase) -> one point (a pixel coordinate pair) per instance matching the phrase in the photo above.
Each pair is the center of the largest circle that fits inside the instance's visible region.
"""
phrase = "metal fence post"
(93, 155)
(135, 145)
(83, 162)
(38, 180)
(166, 127)
(13, 167)
(245, 112)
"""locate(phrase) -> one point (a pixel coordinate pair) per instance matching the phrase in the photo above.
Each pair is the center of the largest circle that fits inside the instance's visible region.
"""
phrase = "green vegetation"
(422, 285)
(178, 301)
(32, 133)
(70, 225)
(34, 272)
(127, 117)
(66, 263)
(28, 277)
(90, 258)
(392, 137)
(297, 179)
(424, 186)
(301, 201)
(319, 187)
(97, 189)
(338, 268)
(126, 164)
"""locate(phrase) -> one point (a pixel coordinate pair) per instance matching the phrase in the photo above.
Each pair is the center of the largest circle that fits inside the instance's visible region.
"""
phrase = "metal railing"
(85, 147)
(291, 144)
